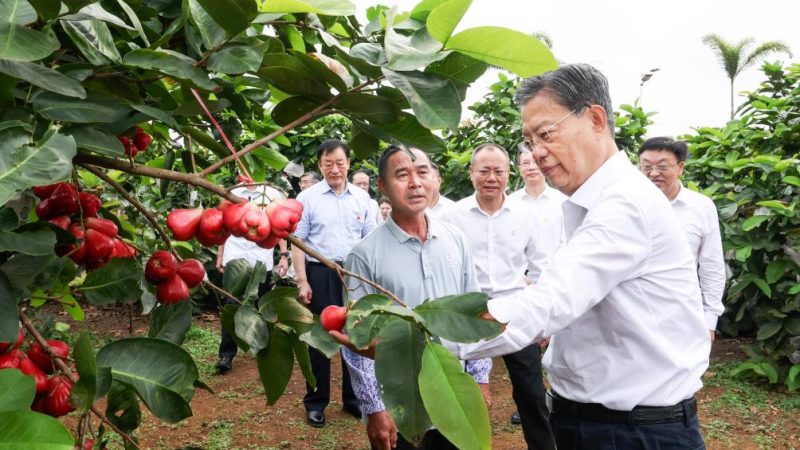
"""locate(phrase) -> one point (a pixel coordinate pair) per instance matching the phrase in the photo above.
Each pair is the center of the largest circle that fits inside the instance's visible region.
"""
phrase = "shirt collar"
(348, 187)
(682, 196)
(589, 193)
(402, 236)
(473, 203)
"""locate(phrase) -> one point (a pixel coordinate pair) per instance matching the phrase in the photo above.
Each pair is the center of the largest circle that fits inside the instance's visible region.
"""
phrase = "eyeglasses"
(661, 168)
(543, 136)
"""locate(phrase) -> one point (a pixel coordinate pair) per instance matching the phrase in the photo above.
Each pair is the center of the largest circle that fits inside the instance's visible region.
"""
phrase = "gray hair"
(573, 86)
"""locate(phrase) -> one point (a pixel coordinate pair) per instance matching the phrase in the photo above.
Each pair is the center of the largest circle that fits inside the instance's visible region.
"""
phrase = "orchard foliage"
(212, 84)
(751, 170)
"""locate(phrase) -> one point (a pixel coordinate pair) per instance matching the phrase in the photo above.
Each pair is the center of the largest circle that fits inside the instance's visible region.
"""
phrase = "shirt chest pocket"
(353, 219)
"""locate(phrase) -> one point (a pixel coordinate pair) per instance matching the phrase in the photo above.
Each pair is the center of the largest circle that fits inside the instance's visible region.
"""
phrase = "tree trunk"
(731, 98)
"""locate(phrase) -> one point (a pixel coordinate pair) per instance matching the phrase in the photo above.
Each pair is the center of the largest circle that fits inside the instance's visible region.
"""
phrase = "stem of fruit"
(68, 373)
(221, 133)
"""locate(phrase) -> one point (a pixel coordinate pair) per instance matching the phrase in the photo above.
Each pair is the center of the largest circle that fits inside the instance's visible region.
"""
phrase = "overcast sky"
(626, 38)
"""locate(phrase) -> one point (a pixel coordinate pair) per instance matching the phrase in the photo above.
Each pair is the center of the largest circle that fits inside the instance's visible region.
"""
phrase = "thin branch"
(68, 373)
(221, 132)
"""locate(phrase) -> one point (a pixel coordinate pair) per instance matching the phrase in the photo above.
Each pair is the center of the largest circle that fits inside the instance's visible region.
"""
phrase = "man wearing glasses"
(621, 295)
(503, 239)
(662, 160)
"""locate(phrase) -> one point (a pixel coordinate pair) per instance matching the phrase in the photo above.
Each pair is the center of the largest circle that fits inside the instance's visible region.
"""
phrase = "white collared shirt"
(241, 248)
(549, 216)
(503, 244)
(698, 216)
(438, 210)
(332, 224)
(622, 296)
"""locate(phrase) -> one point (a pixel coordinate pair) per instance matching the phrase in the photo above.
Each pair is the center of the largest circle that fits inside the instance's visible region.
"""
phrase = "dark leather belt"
(319, 264)
(640, 415)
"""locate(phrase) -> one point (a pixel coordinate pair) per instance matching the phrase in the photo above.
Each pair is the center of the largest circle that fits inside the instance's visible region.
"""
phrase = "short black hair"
(488, 145)
(383, 162)
(330, 146)
(358, 172)
(665, 143)
(314, 175)
(384, 199)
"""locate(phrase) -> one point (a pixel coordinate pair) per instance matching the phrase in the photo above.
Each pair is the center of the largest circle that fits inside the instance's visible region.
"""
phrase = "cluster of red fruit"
(173, 279)
(138, 143)
(98, 240)
(212, 226)
(52, 394)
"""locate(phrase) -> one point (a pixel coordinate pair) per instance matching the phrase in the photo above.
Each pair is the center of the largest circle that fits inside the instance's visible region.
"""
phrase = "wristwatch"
(286, 254)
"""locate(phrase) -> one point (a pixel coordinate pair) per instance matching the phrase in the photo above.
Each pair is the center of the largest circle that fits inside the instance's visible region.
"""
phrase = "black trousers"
(574, 434)
(433, 440)
(527, 388)
(326, 289)
(227, 345)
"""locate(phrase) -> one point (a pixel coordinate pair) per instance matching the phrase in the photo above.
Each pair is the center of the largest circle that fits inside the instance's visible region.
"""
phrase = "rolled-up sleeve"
(711, 268)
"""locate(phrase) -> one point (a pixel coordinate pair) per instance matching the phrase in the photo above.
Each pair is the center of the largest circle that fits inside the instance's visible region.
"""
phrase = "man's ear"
(598, 116)
(380, 186)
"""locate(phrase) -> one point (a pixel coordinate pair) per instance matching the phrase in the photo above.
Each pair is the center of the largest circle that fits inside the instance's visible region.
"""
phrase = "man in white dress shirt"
(360, 178)
(503, 239)
(544, 201)
(663, 159)
(622, 293)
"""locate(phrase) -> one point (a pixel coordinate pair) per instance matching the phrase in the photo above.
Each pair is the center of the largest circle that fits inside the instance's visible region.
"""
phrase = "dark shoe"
(354, 411)
(224, 364)
(316, 418)
(515, 418)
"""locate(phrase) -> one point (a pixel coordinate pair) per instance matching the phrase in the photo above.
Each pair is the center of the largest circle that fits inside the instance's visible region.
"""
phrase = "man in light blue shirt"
(428, 259)
(335, 217)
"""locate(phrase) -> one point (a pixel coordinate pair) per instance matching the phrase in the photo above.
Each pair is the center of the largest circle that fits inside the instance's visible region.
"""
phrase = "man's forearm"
(299, 263)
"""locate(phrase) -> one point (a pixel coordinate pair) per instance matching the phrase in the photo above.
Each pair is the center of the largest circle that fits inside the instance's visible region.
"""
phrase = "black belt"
(315, 263)
(640, 415)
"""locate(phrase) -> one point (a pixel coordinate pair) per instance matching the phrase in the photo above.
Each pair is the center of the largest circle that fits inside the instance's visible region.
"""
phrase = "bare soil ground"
(734, 415)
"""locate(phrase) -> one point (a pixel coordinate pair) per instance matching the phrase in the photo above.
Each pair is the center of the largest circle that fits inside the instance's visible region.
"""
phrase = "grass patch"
(740, 396)
(717, 429)
(203, 345)
(220, 436)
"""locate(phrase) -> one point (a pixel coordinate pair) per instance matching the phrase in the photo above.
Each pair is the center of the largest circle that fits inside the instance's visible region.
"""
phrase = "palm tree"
(735, 58)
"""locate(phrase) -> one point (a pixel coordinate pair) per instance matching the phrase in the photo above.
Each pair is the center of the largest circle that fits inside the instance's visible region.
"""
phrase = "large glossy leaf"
(23, 165)
(9, 323)
(122, 408)
(362, 142)
(294, 82)
(46, 9)
(162, 374)
(156, 113)
(116, 281)
(235, 59)
(303, 358)
(518, 52)
(366, 58)
(458, 67)
(17, 390)
(17, 11)
(137, 24)
(232, 15)
(457, 317)
(43, 77)
(408, 131)
(95, 11)
(93, 39)
(292, 109)
(85, 390)
(94, 108)
(281, 305)
(170, 65)
(453, 400)
(373, 108)
(398, 361)
(424, 8)
(251, 328)
(411, 52)
(436, 103)
(212, 33)
(96, 140)
(27, 272)
(33, 431)
(37, 242)
(171, 322)
(442, 20)
(321, 340)
(242, 280)
(19, 43)
(229, 325)
(320, 71)
(275, 364)
(325, 7)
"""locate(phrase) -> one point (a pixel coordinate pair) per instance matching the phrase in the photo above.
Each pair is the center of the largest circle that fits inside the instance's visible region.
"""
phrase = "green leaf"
(303, 360)
(17, 390)
(43, 77)
(212, 33)
(436, 103)
(27, 272)
(123, 407)
(47, 9)
(769, 371)
(229, 325)
(763, 286)
(72, 307)
(321, 340)
(242, 280)
(274, 159)
(458, 67)
(319, 70)
(161, 373)
(93, 39)
(768, 330)
(37, 243)
(251, 328)
(17, 11)
(9, 321)
(791, 179)
(373, 108)
(94, 108)
(19, 43)
(24, 165)
(232, 15)
(453, 400)
(280, 304)
(158, 114)
(291, 109)
(457, 317)
(407, 130)
(776, 205)
(793, 378)
(135, 21)
(171, 322)
(169, 64)
(443, 19)
(275, 365)
(743, 253)
(406, 53)
(96, 140)
(775, 270)
(398, 362)
(116, 281)
(235, 59)
(85, 390)
(95, 11)
(324, 7)
(518, 52)
(33, 431)
(294, 82)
